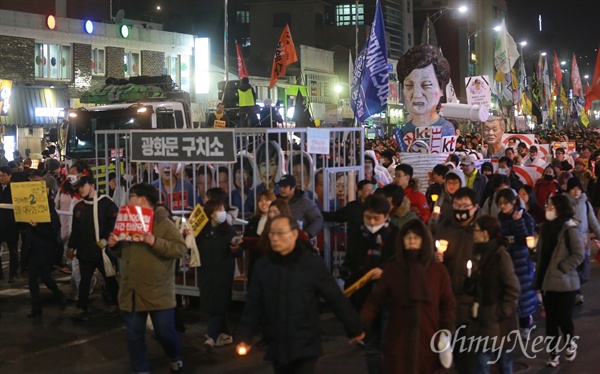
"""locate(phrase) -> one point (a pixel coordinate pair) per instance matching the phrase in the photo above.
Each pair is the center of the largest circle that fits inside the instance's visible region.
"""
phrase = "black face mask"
(462, 215)
(548, 177)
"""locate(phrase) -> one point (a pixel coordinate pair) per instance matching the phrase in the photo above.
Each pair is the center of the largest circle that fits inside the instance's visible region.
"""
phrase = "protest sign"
(422, 164)
(133, 222)
(30, 201)
(198, 219)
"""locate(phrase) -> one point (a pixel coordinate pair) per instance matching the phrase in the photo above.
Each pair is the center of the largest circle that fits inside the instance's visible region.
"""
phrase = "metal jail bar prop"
(257, 161)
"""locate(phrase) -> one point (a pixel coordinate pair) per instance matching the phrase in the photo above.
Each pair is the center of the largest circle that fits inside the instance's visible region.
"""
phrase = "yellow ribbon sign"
(30, 201)
(198, 219)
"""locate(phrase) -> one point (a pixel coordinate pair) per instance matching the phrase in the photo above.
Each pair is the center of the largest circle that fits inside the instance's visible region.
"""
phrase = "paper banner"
(198, 219)
(422, 164)
(30, 201)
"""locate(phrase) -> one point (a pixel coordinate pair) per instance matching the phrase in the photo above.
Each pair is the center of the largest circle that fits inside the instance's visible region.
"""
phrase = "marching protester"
(458, 232)
(517, 225)
(93, 220)
(418, 293)
(495, 287)
(559, 252)
(546, 186)
(147, 284)
(369, 250)
(527, 195)
(218, 251)
(584, 213)
(403, 177)
(8, 229)
(285, 291)
(40, 252)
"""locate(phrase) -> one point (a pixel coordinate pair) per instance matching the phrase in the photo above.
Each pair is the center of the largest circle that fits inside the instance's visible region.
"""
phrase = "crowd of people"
(456, 253)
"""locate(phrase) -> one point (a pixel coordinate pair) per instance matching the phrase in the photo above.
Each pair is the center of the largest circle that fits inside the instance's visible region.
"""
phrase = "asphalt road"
(56, 344)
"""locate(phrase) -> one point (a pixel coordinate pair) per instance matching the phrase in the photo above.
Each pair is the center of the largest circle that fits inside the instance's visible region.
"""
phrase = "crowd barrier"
(243, 162)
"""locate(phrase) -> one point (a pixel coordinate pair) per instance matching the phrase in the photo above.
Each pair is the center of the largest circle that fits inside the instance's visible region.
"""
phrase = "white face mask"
(502, 171)
(374, 229)
(550, 215)
(221, 217)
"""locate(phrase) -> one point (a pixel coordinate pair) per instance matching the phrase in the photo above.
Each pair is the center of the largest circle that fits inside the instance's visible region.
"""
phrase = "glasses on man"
(279, 234)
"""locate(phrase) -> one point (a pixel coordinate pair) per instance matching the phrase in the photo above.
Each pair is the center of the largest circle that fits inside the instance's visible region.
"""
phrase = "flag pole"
(226, 63)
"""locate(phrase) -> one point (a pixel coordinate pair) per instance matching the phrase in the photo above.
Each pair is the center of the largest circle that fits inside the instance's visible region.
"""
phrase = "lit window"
(132, 64)
(172, 68)
(242, 16)
(98, 61)
(346, 15)
(52, 61)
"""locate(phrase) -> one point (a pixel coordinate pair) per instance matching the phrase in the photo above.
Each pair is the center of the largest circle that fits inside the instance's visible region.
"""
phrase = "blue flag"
(370, 81)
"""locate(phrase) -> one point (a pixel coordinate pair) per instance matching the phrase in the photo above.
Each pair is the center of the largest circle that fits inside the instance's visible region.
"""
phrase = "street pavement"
(56, 344)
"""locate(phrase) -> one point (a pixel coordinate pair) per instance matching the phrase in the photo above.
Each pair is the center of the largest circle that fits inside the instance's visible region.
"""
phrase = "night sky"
(568, 26)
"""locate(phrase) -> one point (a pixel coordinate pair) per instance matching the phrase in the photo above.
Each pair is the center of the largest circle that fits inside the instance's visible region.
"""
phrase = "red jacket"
(418, 203)
(544, 189)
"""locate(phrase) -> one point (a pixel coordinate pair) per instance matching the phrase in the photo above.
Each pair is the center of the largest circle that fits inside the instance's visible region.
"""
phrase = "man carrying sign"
(148, 281)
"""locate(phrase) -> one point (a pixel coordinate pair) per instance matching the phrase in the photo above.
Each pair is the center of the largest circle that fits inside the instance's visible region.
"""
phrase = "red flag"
(594, 94)
(557, 73)
(285, 54)
(242, 71)
(577, 88)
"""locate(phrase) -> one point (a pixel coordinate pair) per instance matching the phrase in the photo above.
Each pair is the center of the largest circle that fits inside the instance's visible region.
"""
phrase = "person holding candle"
(285, 289)
(496, 289)
(218, 248)
(584, 213)
(418, 292)
(436, 188)
(517, 225)
(458, 231)
(559, 252)
(453, 181)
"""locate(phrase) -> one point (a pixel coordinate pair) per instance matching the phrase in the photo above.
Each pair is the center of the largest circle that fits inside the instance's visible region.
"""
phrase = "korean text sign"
(133, 222)
(30, 201)
(183, 146)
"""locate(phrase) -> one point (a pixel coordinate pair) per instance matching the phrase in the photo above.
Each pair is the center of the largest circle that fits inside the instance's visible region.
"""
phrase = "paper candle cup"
(530, 242)
(437, 209)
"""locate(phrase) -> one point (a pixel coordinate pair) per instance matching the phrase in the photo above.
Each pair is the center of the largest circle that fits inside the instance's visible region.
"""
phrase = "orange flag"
(285, 54)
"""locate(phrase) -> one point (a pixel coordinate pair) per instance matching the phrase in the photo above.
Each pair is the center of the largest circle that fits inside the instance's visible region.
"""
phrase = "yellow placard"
(220, 124)
(30, 201)
(198, 219)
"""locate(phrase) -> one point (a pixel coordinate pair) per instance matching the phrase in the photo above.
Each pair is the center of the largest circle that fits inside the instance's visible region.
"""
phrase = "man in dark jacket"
(458, 231)
(351, 213)
(370, 247)
(303, 209)
(8, 227)
(286, 287)
(93, 220)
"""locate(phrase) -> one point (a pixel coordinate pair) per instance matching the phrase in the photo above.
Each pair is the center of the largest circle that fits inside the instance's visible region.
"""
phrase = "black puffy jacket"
(286, 290)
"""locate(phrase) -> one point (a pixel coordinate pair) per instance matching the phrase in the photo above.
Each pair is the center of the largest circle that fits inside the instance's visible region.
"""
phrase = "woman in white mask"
(218, 246)
(559, 252)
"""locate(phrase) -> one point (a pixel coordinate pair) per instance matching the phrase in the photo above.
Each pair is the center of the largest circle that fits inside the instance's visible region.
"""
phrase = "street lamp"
(475, 33)
(430, 20)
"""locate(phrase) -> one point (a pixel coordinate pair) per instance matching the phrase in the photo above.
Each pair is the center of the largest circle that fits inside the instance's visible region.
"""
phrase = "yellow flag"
(499, 77)
(198, 219)
(584, 119)
(514, 81)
